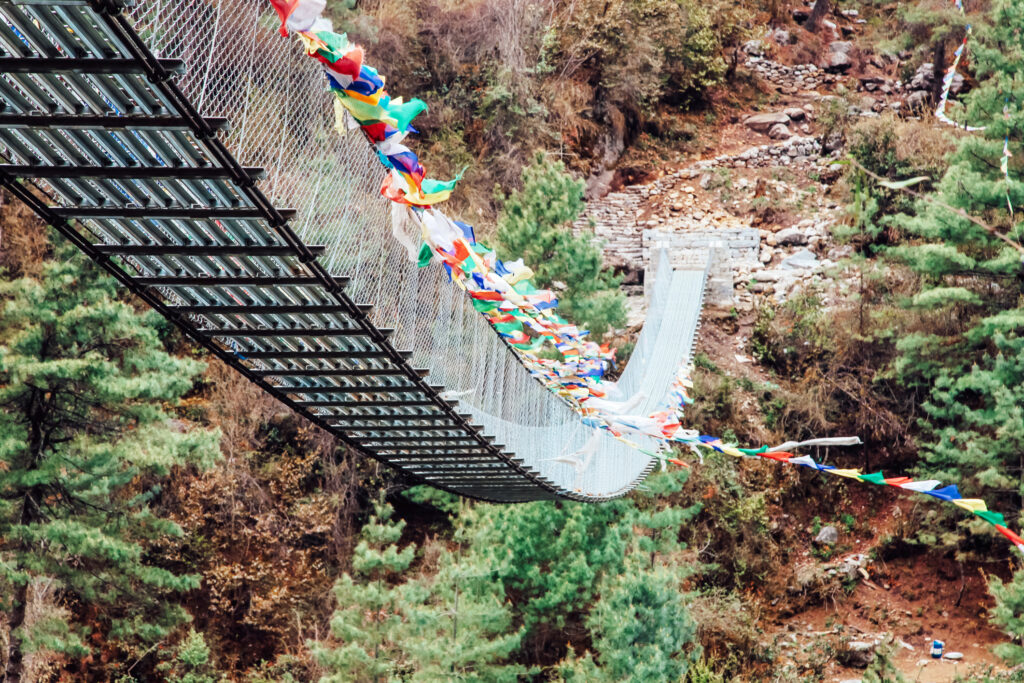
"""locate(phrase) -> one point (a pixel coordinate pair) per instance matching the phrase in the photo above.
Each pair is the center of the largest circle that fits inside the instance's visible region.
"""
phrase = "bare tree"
(820, 10)
(938, 69)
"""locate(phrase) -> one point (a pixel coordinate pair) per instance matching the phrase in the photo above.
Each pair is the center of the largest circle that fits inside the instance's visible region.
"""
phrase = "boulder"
(769, 275)
(838, 63)
(762, 123)
(833, 142)
(919, 100)
(923, 77)
(795, 113)
(780, 131)
(858, 654)
(781, 36)
(828, 535)
(802, 259)
(840, 46)
(791, 237)
(871, 81)
(801, 14)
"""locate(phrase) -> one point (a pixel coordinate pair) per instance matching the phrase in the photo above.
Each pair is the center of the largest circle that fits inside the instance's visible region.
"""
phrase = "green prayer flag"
(510, 327)
(874, 478)
(425, 255)
(992, 517)
(404, 114)
(485, 306)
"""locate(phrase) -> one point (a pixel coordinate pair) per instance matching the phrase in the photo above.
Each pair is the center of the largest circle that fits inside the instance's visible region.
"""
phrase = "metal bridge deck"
(122, 164)
(98, 138)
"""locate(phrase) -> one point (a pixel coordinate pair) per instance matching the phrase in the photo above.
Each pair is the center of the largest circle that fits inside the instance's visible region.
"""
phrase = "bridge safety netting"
(283, 119)
(100, 117)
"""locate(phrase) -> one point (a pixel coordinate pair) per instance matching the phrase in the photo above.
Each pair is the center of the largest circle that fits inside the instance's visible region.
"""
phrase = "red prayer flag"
(487, 296)
(780, 456)
(1014, 538)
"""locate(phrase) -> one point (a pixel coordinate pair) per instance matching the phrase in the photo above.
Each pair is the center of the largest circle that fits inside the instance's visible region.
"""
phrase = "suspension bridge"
(193, 154)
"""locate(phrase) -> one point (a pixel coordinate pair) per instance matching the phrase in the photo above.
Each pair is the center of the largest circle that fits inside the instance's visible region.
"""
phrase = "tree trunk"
(938, 70)
(818, 13)
(37, 410)
(15, 655)
(15, 662)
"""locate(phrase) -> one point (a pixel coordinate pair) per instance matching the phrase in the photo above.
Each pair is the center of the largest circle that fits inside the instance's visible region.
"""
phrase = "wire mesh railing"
(282, 119)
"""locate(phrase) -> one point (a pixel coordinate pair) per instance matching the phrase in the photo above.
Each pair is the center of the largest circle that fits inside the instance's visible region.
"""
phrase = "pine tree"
(454, 626)
(549, 555)
(970, 360)
(191, 663)
(370, 622)
(83, 434)
(534, 225)
(639, 626)
(1008, 615)
(464, 631)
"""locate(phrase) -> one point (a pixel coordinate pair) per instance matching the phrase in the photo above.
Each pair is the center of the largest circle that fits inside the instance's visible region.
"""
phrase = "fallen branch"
(932, 200)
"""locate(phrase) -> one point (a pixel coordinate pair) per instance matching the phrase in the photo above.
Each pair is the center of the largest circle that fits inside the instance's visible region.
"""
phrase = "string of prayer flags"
(359, 89)
(504, 295)
(1004, 162)
(947, 78)
(927, 487)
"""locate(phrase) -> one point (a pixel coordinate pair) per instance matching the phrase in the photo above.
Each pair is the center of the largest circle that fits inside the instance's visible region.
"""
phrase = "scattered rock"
(828, 535)
(781, 36)
(839, 252)
(780, 131)
(871, 82)
(795, 113)
(769, 275)
(791, 237)
(801, 260)
(762, 123)
(905, 645)
(754, 48)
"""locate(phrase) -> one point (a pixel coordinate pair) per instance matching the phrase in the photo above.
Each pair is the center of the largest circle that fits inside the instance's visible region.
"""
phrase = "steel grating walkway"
(99, 140)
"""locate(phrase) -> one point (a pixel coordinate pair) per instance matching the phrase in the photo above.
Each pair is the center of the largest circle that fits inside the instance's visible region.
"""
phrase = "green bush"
(535, 225)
